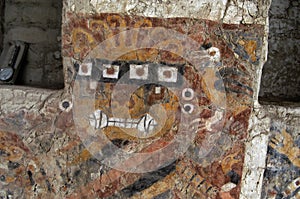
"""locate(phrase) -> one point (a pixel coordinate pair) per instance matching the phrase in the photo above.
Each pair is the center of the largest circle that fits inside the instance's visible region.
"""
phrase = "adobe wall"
(160, 101)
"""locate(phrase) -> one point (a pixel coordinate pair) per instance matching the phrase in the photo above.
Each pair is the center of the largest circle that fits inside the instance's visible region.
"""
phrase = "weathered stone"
(280, 78)
(55, 147)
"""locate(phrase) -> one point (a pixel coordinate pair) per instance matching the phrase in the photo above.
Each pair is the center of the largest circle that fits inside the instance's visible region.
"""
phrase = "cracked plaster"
(47, 102)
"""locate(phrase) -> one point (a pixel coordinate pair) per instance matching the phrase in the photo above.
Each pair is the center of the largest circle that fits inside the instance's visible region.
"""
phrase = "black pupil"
(188, 94)
(65, 105)
(2, 178)
(187, 108)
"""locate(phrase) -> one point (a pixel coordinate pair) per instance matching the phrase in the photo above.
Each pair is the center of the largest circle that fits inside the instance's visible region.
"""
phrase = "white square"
(138, 71)
(167, 74)
(111, 71)
(157, 90)
(85, 69)
(93, 85)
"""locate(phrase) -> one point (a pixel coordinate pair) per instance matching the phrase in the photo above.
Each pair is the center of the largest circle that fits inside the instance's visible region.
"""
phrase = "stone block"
(32, 35)
(30, 2)
(39, 14)
(32, 76)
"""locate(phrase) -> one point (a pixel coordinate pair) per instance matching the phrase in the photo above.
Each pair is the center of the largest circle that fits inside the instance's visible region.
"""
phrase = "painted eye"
(188, 94)
(188, 108)
(167, 74)
(138, 71)
(65, 105)
(85, 69)
(214, 53)
(111, 71)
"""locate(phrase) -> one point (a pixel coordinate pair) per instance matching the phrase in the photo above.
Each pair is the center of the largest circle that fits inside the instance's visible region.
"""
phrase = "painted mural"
(282, 175)
(174, 106)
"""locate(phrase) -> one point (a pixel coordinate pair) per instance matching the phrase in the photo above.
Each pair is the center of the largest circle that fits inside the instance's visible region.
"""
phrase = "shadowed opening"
(281, 74)
(30, 43)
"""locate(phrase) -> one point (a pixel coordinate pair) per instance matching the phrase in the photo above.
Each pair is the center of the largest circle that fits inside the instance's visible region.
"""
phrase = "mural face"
(160, 108)
(141, 81)
(136, 106)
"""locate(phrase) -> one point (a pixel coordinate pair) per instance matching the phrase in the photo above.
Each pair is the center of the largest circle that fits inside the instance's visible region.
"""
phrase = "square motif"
(139, 71)
(111, 71)
(167, 74)
(85, 69)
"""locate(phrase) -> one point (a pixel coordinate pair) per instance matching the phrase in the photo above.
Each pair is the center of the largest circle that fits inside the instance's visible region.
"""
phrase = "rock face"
(280, 79)
(1, 22)
(160, 101)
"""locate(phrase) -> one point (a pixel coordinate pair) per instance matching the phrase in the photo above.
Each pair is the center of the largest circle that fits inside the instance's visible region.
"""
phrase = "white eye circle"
(214, 53)
(188, 94)
(65, 105)
(188, 108)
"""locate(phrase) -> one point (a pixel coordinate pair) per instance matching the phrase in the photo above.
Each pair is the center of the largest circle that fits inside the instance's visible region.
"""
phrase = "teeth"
(100, 120)
(146, 124)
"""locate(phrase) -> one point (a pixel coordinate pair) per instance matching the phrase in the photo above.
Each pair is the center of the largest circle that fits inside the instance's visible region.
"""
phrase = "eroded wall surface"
(1, 22)
(94, 139)
(280, 79)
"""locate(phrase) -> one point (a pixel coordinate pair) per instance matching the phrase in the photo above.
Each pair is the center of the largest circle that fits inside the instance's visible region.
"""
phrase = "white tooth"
(111, 123)
(114, 119)
(128, 124)
(140, 125)
(104, 120)
(121, 124)
(100, 120)
(97, 114)
(92, 121)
